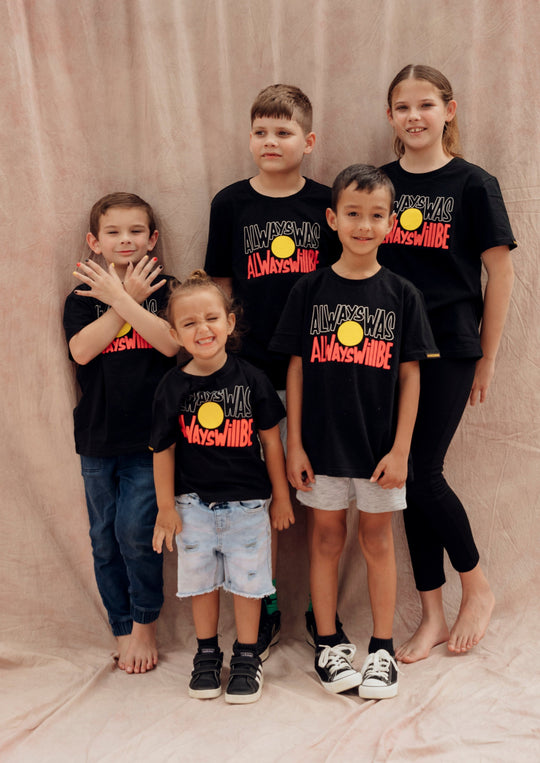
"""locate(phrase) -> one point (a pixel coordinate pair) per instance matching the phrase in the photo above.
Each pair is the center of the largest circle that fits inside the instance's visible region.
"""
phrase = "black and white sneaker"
(311, 628)
(206, 675)
(333, 666)
(269, 627)
(246, 678)
(379, 676)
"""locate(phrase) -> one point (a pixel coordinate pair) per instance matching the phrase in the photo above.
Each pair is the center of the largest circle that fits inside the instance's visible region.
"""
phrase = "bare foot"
(474, 614)
(123, 643)
(141, 654)
(418, 647)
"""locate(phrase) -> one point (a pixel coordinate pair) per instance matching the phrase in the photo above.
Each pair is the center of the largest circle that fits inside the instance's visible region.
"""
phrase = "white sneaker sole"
(204, 693)
(378, 692)
(342, 684)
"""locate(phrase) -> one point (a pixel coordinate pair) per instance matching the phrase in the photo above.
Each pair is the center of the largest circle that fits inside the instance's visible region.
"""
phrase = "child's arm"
(391, 471)
(281, 511)
(168, 523)
(124, 300)
(299, 469)
(498, 263)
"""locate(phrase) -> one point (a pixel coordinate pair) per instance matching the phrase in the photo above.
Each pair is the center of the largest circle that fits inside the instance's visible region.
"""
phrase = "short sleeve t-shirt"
(114, 413)
(265, 244)
(214, 420)
(445, 220)
(352, 335)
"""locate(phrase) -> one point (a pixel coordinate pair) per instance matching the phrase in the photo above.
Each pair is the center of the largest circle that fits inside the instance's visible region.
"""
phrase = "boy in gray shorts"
(355, 333)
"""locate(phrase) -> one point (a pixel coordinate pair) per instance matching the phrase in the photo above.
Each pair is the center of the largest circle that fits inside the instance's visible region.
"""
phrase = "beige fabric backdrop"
(153, 96)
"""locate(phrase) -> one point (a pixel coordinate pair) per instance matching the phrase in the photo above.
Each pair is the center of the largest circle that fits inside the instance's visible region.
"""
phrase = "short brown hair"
(286, 101)
(119, 199)
(450, 138)
(366, 177)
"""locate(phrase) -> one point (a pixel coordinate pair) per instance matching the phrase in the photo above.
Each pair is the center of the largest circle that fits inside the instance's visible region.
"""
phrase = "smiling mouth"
(415, 130)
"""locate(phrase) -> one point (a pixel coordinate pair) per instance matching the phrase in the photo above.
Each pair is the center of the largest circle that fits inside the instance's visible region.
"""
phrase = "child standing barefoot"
(122, 349)
(450, 219)
(211, 416)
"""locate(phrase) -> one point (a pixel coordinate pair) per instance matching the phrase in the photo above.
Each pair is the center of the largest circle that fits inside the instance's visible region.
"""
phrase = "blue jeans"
(122, 509)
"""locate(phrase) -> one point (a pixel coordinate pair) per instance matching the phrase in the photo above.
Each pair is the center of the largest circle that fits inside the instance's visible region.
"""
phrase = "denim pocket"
(252, 507)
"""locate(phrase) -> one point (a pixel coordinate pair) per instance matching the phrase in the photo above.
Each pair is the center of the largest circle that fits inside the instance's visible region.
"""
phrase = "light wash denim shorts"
(335, 493)
(224, 544)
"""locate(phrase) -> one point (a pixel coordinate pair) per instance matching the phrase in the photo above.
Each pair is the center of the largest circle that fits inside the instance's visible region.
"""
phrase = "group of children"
(360, 308)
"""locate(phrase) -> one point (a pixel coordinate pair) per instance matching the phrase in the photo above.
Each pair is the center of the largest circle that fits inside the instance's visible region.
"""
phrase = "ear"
(389, 115)
(451, 108)
(174, 334)
(331, 218)
(310, 142)
(391, 221)
(93, 243)
(231, 323)
(152, 241)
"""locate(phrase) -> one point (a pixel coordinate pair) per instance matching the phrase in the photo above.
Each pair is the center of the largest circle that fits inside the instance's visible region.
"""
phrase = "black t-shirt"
(214, 422)
(352, 335)
(445, 220)
(265, 244)
(114, 413)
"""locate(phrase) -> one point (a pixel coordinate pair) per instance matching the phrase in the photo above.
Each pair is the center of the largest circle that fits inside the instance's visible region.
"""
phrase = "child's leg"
(100, 484)
(247, 613)
(136, 514)
(205, 680)
(377, 544)
(379, 671)
(328, 541)
(205, 610)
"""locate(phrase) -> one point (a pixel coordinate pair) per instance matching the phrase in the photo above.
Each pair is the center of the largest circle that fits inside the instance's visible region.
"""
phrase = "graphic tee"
(352, 335)
(445, 220)
(265, 245)
(214, 422)
(114, 413)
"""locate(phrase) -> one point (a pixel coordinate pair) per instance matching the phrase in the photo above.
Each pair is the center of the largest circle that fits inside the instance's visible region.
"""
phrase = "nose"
(270, 140)
(414, 114)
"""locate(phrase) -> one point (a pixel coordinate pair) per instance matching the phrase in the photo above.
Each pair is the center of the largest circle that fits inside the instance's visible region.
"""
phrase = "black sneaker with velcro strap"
(246, 677)
(206, 675)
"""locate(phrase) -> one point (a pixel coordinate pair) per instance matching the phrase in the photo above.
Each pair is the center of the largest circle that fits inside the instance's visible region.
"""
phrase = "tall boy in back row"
(265, 233)
(356, 333)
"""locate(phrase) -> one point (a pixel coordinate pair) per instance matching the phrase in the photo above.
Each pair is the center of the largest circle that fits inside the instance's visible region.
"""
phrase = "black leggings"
(435, 518)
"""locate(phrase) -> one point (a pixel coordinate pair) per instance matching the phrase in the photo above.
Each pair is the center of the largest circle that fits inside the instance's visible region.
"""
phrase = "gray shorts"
(336, 493)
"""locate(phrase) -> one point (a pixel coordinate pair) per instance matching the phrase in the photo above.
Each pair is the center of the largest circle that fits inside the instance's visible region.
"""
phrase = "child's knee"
(376, 540)
(329, 541)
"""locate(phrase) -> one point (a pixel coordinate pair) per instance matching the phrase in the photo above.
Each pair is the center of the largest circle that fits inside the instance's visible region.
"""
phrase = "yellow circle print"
(411, 219)
(350, 333)
(210, 415)
(126, 328)
(283, 247)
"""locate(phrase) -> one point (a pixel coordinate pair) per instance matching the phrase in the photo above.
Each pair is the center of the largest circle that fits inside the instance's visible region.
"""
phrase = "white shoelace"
(378, 665)
(337, 658)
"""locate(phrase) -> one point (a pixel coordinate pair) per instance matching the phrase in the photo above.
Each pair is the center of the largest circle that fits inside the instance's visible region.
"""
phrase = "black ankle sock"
(333, 640)
(238, 647)
(381, 643)
(207, 643)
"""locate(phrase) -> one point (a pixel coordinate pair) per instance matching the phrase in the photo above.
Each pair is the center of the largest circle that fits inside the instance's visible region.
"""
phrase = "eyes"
(376, 215)
(133, 231)
(424, 106)
(279, 133)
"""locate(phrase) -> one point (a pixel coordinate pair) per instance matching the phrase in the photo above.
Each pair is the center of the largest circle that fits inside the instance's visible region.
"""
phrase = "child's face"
(278, 145)
(202, 326)
(418, 114)
(362, 220)
(123, 236)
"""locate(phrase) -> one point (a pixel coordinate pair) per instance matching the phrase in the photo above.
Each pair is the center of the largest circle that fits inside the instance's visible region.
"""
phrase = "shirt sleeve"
(491, 226)
(165, 428)
(268, 409)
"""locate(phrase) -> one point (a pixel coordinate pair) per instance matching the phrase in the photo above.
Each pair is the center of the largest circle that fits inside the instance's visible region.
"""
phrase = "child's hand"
(483, 374)
(391, 471)
(168, 525)
(138, 279)
(105, 285)
(299, 471)
(281, 513)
